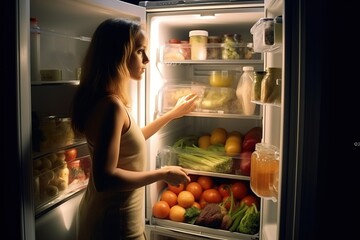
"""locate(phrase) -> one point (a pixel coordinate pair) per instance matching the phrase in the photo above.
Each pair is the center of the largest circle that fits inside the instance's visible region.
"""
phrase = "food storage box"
(211, 99)
(267, 34)
(54, 176)
(51, 133)
(171, 93)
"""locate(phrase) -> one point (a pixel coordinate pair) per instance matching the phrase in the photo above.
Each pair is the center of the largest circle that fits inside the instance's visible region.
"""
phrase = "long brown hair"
(104, 69)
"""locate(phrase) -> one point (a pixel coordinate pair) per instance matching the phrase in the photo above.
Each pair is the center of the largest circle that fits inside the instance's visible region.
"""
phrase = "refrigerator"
(66, 27)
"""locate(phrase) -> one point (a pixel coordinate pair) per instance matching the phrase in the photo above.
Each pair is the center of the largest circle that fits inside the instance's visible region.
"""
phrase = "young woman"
(112, 206)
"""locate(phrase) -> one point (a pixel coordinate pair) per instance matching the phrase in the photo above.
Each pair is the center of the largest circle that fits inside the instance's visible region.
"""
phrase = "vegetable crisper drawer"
(211, 99)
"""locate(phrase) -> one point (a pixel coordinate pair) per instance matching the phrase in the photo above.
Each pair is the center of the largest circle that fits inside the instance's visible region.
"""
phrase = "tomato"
(202, 201)
(212, 196)
(177, 213)
(70, 154)
(176, 189)
(170, 197)
(206, 182)
(224, 189)
(195, 188)
(161, 209)
(239, 189)
(185, 199)
(250, 199)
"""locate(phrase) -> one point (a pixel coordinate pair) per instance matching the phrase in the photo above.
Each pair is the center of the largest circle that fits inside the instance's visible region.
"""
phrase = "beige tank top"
(116, 215)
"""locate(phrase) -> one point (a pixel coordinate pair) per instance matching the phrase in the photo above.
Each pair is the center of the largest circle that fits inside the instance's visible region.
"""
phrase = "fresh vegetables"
(249, 224)
(203, 160)
(210, 216)
(191, 214)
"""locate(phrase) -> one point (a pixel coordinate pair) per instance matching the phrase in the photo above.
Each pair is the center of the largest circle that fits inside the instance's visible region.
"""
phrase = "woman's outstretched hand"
(184, 105)
(175, 175)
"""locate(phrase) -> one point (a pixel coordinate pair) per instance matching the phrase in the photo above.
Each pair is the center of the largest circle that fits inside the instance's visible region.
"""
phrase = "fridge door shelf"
(205, 232)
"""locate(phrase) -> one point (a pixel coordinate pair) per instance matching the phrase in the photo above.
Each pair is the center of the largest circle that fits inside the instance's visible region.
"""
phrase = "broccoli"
(249, 224)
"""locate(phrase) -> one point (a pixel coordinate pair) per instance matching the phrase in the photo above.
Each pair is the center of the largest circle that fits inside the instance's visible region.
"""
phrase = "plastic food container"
(267, 34)
(170, 94)
(56, 132)
(264, 173)
(221, 78)
(51, 177)
(198, 40)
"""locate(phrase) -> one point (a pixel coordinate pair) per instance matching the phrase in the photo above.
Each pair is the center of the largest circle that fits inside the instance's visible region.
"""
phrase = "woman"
(112, 206)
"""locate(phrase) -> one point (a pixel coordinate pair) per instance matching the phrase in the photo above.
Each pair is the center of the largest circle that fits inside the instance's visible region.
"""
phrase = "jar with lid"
(243, 90)
(256, 89)
(198, 40)
(213, 48)
(264, 173)
(231, 47)
(35, 49)
(270, 89)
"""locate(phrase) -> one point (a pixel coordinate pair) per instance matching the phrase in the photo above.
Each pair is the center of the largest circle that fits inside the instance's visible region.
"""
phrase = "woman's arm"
(183, 106)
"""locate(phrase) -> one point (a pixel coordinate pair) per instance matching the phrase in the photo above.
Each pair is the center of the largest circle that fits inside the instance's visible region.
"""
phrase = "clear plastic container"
(264, 173)
(214, 47)
(267, 34)
(231, 48)
(198, 40)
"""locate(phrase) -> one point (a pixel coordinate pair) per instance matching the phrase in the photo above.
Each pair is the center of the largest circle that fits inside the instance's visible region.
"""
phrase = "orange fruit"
(218, 136)
(177, 213)
(170, 197)
(176, 189)
(196, 204)
(206, 182)
(195, 188)
(161, 209)
(185, 199)
(204, 141)
(232, 147)
(235, 133)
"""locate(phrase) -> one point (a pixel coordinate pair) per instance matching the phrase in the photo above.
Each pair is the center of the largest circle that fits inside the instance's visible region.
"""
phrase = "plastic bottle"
(35, 49)
(243, 90)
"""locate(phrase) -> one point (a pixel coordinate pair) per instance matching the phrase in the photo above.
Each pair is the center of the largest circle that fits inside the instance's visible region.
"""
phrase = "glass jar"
(213, 48)
(264, 173)
(231, 47)
(270, 89)
(256, 89)
(198, 41)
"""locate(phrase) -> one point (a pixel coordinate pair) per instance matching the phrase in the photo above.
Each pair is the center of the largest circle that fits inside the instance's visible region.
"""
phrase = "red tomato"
(239, 190)
(212, 196)
(176, 189)
(195, 188)
(161, 209)
(206, 182)
(224, 190)
(250, 199)
(202, 201)
(70, 154)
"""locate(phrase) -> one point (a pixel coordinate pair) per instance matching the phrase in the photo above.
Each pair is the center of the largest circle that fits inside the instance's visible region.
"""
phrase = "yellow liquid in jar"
(264, 175)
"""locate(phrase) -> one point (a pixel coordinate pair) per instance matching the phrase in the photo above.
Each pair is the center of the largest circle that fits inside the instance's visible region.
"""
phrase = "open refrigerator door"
(60, 159)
